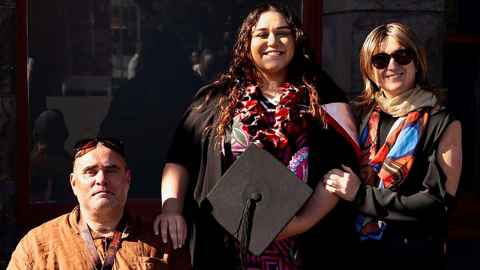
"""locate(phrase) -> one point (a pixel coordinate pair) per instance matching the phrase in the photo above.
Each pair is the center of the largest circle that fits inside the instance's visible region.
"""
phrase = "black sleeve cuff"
(360, 196)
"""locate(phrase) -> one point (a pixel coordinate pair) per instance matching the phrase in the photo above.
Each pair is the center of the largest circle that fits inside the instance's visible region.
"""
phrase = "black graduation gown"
(333, 237)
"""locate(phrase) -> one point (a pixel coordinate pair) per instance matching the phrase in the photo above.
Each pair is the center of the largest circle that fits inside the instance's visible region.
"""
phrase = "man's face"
(100, 180)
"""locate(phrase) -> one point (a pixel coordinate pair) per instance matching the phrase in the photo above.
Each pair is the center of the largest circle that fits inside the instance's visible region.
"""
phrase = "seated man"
(97, 234)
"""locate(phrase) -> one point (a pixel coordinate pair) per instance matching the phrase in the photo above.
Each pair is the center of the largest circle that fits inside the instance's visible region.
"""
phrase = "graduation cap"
(256, 198)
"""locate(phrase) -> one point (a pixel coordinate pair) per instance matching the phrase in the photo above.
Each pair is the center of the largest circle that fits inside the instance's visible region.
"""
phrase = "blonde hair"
(405, 37)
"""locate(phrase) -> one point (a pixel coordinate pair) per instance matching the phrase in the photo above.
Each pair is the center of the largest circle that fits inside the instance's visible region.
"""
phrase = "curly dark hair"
(242, 71)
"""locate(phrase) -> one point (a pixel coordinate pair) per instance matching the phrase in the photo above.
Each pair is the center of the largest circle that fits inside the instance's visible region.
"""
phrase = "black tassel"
(245, 227)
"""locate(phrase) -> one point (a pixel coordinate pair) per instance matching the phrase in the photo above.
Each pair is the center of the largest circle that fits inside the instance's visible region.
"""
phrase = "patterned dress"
(280, 254)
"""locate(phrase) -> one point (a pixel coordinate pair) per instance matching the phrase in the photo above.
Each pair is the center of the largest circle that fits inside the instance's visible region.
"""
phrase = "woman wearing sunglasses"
(411, 156)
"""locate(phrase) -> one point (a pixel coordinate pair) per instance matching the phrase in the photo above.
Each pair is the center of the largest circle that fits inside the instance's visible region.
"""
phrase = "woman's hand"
(171, 221)
(171, 225)
(343, 183)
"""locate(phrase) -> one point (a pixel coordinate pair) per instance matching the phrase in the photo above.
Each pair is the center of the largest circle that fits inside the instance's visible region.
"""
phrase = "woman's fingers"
(181, 231)
(337, 172)
(330, 189)
(164, 229)
(156, 224)
(172, 226)
(185, 231)
(330, 183)
(342, 183)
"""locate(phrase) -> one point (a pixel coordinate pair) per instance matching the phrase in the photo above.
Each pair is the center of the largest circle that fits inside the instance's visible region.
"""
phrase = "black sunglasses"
(401, 56)
(112, 143)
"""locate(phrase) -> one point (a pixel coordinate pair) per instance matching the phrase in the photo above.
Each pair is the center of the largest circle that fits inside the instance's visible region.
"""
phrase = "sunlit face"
(395, 78)
(100, 180)
(272, 45)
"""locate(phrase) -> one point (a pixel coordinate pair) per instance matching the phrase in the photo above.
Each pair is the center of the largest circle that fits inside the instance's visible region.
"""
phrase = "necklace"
(112, 248)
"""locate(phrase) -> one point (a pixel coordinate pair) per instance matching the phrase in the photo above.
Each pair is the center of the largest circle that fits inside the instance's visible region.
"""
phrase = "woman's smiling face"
(272, 45)
(395, 78)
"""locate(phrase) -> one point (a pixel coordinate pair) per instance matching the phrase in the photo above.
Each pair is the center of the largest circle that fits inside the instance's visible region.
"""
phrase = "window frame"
(29, 214)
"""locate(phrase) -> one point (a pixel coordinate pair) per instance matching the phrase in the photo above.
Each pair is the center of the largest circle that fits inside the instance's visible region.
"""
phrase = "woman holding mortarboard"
(273, 96)
(411, 156)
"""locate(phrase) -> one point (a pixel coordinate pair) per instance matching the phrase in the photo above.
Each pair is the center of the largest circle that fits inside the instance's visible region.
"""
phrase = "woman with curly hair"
(272, 95)
(411, 156)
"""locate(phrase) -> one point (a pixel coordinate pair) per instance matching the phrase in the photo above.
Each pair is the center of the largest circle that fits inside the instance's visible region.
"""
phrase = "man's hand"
(171, 225)
(343, 183)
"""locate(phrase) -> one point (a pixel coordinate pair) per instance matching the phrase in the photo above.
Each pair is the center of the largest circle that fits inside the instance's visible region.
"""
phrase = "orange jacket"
(57, 244)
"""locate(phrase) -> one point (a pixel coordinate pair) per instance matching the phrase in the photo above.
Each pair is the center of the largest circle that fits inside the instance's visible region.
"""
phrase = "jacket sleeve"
(182, 149)
(21, 258)
(185, 148)
(391, 205)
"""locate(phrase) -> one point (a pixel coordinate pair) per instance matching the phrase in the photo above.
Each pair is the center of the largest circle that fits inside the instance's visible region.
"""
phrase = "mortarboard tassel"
(245, 226)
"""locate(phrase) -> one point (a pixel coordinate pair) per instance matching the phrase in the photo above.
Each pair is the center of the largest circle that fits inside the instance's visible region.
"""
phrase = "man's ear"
(129, 176)
(73, 182)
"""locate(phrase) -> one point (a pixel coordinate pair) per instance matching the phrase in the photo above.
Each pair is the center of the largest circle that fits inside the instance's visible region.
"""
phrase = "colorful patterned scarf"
(281, 130)
(390, 165)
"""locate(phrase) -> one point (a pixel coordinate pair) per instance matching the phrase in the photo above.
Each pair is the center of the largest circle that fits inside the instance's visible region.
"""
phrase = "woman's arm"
(378, 202)
(317, 206)
(449, 156)
(342, 136)
(171, 221)
(392, 205)
(182, 162)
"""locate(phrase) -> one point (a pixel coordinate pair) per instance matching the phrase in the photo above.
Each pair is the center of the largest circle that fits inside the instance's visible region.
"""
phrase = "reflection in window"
(50, 163)
(123, 68)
